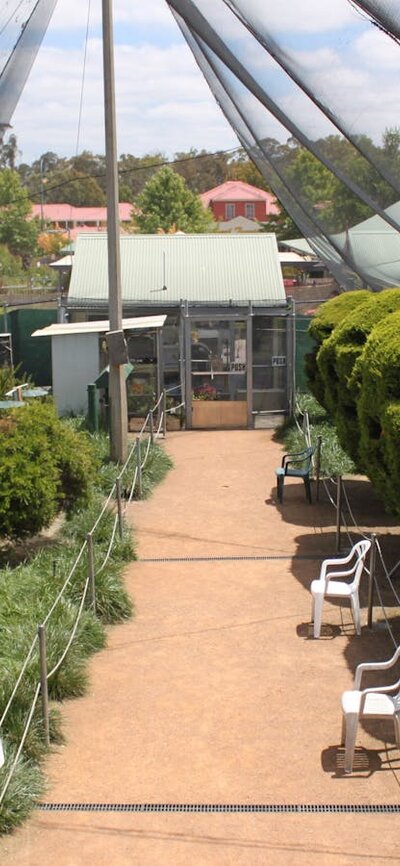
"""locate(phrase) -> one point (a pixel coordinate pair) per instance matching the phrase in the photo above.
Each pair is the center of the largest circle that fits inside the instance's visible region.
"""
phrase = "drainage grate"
(228, 558)
(266, 808)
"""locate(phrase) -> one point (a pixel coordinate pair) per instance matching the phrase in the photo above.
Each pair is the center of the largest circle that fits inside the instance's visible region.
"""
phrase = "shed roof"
(139, 323)
(163, 270)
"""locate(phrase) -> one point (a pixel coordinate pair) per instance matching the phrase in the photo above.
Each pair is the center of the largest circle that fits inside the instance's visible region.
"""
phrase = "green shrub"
(329, 316)
(379, 410)
(339, 360)
(44, 465)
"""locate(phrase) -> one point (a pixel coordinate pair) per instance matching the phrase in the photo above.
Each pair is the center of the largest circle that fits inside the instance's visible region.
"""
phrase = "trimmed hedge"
(328, 318)
(379, 410)
(340, 363)
(44, 465)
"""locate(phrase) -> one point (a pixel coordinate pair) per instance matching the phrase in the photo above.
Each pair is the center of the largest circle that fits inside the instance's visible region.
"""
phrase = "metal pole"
(117, 386)
(151, 426)
(372, 568)
(139, 466)
(43, 682)
(119, 508)
(164, 410)
(318, 465)
(338, 511)
(91, 570)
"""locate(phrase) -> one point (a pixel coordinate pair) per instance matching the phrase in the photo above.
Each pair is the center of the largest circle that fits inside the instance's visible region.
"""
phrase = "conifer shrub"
(329, 316)
(379, 410)
(340, 363)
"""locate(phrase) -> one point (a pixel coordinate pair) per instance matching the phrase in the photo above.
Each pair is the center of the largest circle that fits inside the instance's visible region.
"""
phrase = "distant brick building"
(238, 199)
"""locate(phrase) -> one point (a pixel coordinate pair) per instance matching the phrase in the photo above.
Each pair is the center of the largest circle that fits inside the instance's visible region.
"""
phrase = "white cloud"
(162, 103)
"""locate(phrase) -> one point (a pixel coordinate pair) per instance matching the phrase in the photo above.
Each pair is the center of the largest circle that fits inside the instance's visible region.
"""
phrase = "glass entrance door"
(269, 364)
(219, 373)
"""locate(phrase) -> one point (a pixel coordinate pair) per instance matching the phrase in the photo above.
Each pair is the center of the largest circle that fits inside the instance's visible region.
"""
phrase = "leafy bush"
(339, 363)
(329, 316)
(43, 465)
(379, 410)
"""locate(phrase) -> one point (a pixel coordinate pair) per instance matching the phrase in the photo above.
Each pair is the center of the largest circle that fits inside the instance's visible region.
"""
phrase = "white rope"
(387, 573)
(66, 582)
(21, 673)
(110, 546)
(158, 402)
(160, 424)
(351, 512)
(21, 745)
(104, 509)
(144, 461)
(133, 485)
(73, 633)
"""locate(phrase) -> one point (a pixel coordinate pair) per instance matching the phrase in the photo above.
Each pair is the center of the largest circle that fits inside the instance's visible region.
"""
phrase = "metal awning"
(139, 323)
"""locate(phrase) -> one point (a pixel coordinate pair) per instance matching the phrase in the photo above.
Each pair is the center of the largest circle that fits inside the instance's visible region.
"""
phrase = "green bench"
(295, 465)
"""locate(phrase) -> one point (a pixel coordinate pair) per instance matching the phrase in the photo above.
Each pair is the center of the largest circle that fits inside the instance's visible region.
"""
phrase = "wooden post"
(151, 426)
(139, 466)
(164, 409)
(91, 570)
(119, 507)
(43, 682)
(318, 465)
(338, 511)
(372, 569)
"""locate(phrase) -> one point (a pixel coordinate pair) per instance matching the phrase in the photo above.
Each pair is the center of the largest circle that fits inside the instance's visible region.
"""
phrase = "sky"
(163, 103)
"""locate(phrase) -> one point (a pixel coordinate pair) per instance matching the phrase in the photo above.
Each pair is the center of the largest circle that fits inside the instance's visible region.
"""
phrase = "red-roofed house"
(234, 198)
(73, 220)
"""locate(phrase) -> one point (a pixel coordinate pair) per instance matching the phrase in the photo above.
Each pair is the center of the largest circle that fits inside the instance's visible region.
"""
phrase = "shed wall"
(75, 362)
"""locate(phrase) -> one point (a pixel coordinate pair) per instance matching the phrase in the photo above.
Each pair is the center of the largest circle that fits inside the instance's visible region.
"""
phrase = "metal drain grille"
(263, 808)
(227, 558)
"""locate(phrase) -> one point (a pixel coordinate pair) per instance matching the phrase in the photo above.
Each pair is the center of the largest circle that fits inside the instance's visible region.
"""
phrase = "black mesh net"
(312, 91)
(23, 24)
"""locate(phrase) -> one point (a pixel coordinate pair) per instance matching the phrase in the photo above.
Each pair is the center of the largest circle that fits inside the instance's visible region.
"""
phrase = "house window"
(250, 210)
(230, 211)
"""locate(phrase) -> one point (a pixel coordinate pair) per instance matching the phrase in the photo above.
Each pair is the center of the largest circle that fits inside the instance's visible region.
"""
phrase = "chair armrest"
(342, 560)
(380, 690)
(374, 666)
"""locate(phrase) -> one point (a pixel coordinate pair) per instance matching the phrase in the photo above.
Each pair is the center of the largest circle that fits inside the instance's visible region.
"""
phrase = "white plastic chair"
(371, 703)
(327, 587)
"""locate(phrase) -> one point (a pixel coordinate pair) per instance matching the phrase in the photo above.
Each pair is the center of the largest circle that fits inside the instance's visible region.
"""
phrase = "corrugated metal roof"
(138, 323)
(165, 269)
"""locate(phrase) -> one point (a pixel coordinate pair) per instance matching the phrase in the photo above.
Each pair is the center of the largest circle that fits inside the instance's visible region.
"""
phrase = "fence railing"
(121, 494)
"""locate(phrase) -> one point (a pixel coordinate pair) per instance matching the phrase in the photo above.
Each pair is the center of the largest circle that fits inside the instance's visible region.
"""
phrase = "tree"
(167, 204)
(16, 231)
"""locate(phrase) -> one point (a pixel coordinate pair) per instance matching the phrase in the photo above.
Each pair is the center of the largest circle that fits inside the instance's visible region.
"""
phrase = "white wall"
(75, 363)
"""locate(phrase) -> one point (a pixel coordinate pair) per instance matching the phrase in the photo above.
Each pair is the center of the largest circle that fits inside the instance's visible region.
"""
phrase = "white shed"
(76, 357)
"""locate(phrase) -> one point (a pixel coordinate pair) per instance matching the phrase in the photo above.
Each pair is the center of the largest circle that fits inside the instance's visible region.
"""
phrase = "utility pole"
(117, 386)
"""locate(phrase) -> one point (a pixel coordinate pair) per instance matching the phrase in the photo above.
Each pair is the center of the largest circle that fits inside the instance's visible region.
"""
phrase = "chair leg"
(343, 733)
(351, 725)
(355, 607)
(307, 485)
(396, 722)
(318, 601)
(279, 488)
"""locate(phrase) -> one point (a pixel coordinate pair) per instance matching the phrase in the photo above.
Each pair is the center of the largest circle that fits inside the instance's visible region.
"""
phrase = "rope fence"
(119, 497)
(338, 496)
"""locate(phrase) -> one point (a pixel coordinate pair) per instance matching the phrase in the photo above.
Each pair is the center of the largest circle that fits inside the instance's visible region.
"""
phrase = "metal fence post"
(139, 466)
(119, 507)
(151, 426)
(164, 411)
(372, 568)
(338, 511)
(43, 682)
(318, 465)
(91, 570)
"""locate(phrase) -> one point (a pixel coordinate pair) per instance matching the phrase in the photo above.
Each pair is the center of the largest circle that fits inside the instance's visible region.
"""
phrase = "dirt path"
(215, 692)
